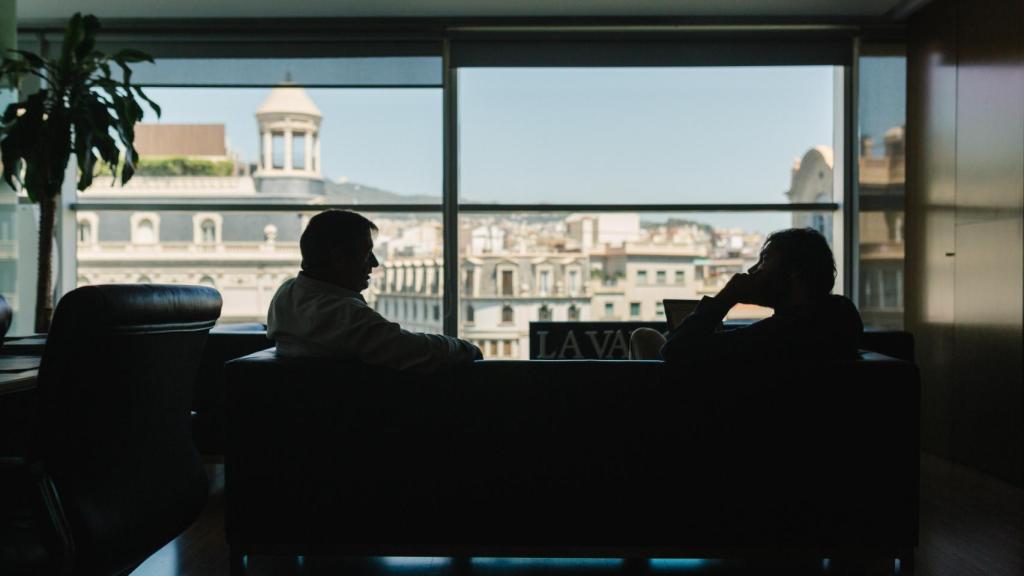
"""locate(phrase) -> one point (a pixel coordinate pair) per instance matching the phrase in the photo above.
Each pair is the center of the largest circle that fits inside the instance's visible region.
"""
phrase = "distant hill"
(354, 193)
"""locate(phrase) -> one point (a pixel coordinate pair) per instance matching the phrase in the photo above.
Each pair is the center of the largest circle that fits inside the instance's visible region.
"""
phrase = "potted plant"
(80, 109)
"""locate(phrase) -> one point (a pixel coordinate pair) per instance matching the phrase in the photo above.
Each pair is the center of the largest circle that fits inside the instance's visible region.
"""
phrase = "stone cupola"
(289, 124)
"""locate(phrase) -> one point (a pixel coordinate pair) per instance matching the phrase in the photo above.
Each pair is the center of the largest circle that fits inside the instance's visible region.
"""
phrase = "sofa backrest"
(523, 454)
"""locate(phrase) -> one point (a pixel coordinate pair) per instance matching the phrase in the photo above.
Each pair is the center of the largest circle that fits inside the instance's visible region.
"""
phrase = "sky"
(621, 135)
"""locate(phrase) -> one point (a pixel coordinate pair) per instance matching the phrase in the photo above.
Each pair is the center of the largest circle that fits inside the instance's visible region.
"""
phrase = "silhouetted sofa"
(571, 458)
(229, 341)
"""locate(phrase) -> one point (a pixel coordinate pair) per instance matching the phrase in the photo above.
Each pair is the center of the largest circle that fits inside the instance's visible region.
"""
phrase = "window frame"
(198, 219)
(136, 220)
(441, 40)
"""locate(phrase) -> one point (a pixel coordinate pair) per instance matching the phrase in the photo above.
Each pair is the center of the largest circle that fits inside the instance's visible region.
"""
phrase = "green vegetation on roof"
(176, 166)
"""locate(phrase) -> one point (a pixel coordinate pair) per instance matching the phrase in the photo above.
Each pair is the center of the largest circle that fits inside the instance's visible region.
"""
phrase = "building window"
(508, 283)
(299, 151)
(84, 232)
(277, 150)
(641, 277)
(680, 276)
(147, 234)
(661, 277)
(145, 228)
(437, 312)
(507, 316)
(467, 282)
(143, 279)
(207, 281)
(544, 314)
(470, 314)
(506, 348)
(659, 309)
(574, 313)
(574, 281)
(206, 228)
(609, 309)
(634, 309)
(544, 284)
(209, 232)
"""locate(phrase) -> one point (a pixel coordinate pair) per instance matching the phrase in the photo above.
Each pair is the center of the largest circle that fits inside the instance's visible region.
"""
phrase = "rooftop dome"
(288, 98)
(894, 133)
(826, 154)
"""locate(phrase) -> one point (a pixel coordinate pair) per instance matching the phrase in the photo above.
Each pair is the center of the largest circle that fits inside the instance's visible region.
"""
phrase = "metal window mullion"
(773, 207)
(251, 207)
(123, 205)
(851, 187)
(131, 205)
(301, 85)
(450, 194)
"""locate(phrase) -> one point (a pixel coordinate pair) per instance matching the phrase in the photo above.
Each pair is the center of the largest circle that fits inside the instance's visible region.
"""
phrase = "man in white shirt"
(321, 313)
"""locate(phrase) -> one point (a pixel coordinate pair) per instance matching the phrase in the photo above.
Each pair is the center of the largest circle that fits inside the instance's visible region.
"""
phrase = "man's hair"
(805, 252)
(332, 230)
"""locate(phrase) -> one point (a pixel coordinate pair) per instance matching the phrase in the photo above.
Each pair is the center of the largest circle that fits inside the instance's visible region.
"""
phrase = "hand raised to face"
(740, 289)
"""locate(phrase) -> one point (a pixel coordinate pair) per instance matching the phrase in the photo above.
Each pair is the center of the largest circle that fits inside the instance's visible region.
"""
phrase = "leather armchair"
(112, 454)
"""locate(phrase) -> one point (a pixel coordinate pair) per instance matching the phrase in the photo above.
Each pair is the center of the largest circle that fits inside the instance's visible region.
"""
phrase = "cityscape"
(515, 268)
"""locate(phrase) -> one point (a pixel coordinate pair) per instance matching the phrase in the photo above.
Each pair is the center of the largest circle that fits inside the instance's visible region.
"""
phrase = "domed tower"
(289, 124)
(811, 182)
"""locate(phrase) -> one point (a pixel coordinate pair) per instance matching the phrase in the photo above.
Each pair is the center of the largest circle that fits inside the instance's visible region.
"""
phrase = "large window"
(745, 150)
(229, 176)
(548, 191)
(881, 184)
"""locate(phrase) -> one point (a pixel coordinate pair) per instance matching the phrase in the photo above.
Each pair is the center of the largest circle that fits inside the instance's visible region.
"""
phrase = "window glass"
(257, 265)
(299, 151)
(705, 249)
(209, 232)
(705, 134)
(881, 184)
(277, 150)
(221, 146)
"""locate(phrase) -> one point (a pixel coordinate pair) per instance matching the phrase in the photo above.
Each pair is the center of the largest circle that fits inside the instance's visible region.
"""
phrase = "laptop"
(677, 310)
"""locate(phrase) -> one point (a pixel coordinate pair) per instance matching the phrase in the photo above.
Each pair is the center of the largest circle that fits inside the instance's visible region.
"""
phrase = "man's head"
(337, 247)
(795, 264)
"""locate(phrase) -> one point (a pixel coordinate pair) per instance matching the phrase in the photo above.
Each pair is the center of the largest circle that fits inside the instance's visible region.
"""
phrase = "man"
(321, 312)
(794, 276)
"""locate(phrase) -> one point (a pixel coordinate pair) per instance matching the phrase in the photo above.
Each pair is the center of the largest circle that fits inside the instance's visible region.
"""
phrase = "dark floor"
(971, 524)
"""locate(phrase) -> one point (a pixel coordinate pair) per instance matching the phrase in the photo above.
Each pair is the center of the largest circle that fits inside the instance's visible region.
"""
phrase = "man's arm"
(375, 340)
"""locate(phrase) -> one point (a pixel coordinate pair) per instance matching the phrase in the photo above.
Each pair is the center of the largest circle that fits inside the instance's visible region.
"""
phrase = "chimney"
(867, 143)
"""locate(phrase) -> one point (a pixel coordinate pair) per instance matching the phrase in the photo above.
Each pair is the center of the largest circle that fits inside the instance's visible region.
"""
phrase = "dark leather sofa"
(572, 458)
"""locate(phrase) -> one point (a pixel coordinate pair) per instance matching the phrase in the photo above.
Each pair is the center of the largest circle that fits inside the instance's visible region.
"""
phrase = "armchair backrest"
(115, 391)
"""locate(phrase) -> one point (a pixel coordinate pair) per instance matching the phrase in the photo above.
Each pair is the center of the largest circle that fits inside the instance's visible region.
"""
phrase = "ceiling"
(36, 10)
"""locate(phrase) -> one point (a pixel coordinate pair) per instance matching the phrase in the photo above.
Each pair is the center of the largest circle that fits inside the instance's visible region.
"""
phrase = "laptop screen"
(677, 310)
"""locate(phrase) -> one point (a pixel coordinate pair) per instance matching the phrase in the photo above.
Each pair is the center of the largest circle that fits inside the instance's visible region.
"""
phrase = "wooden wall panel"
(931, 218)
(966, 199)
(988, 430)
